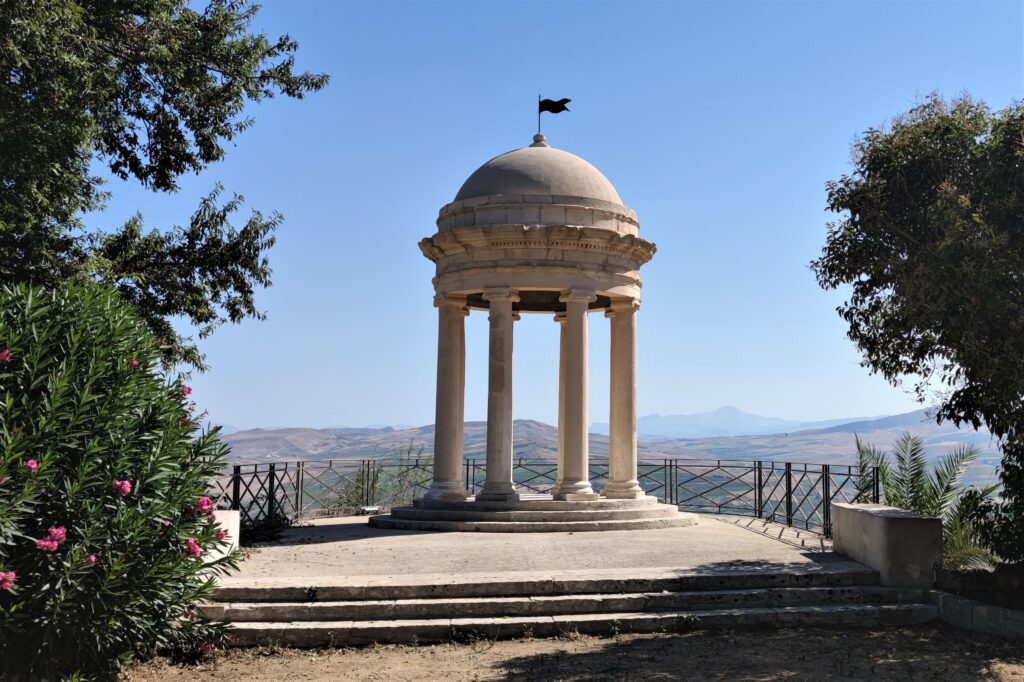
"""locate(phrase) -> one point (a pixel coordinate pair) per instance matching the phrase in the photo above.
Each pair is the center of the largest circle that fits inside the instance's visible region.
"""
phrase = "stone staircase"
(405, 609)
(535, 514)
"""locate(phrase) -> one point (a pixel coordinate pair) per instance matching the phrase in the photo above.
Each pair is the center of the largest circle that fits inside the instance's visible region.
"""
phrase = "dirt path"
(922, 653)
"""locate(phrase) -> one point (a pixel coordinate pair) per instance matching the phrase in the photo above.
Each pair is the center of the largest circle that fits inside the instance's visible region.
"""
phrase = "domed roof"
(539, 169)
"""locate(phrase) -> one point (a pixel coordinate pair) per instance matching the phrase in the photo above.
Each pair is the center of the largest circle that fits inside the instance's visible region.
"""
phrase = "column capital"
(501, 294)
(456, 300)
(623, 306)
(578, 295)
(561, 317)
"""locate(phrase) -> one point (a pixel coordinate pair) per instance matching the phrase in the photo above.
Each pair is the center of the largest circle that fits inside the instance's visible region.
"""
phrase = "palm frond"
(910, 475)
(868, 458)
(960, 547)
(957, 510)
(942, 486)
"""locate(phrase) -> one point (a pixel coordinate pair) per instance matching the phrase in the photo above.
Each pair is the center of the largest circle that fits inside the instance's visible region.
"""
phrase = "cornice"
(564, 237)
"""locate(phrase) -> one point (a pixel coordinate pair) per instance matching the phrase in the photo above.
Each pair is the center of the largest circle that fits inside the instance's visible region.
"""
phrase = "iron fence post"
(376, 467)
(718, 467)
(673, 477)
(300, 472)
(236, 487)
(271, 491)
(465, 483)
(674, 464)
(826, 497)
(789, 494)
(667, 463)
(759, 489)
(874, 485)
(367, 482)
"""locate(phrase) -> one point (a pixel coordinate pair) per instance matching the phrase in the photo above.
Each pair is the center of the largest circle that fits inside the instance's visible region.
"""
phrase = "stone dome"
(539, 170)
(538, 221)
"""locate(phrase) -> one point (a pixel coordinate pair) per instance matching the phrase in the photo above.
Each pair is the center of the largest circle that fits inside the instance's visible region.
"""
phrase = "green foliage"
(383, 482)
(931, 246)
(263, 529)
(907, 483)
(84, 404)
(867, 457)
(152, 89)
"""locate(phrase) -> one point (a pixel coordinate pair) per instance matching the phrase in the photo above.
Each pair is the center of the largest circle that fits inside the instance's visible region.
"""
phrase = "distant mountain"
(532, 439)
(725, 421)
(833, 444)
(225, 429)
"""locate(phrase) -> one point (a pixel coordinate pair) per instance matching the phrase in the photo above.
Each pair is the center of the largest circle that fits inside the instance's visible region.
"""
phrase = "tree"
(151, 89)
(907, 483)
(931, 246)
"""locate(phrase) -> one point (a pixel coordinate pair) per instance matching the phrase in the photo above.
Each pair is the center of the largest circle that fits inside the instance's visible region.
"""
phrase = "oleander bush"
(104, 523)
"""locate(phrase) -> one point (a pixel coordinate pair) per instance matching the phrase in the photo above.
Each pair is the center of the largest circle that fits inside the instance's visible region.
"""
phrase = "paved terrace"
(349, 551)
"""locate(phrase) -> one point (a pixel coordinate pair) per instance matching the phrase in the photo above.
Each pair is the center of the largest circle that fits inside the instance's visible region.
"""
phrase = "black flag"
(552, 106)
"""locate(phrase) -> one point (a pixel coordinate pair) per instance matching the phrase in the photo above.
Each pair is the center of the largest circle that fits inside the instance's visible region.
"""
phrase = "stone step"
(838, 573)
(390, 522)
(353, 632)
(536, 503)
(650, 511)
(552, 605)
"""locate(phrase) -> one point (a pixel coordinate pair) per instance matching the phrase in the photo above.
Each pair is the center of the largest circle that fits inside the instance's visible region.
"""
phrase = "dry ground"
(921, 653)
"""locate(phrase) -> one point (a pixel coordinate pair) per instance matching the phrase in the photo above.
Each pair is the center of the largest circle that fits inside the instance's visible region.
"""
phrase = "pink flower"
(166, 523)
(7, 580)
(213, 516)
(47, 545)
(204, 648)
(135, 363)
(5, 355)
(58, 534)
(203, 506)
(221, 534)
(91, 559)
(121, 487)
(185, 390)
(192, 550)
(32, 465)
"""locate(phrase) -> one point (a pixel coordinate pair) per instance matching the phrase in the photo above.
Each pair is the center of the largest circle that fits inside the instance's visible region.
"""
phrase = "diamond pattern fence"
(789, 493)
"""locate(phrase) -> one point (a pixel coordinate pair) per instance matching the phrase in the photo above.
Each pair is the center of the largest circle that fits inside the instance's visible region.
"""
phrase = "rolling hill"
(725, 421)
(832, 444)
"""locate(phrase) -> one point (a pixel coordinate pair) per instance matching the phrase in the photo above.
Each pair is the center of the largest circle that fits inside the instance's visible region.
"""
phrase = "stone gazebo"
(536, 230)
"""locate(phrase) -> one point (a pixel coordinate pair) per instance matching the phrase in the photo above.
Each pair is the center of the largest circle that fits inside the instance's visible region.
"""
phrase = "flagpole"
(538, 114)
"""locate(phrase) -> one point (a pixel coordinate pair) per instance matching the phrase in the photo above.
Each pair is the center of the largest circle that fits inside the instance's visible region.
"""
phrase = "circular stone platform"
(534, 514)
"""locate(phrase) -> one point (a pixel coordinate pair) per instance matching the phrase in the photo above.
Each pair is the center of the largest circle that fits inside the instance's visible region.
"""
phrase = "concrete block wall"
(905, 548)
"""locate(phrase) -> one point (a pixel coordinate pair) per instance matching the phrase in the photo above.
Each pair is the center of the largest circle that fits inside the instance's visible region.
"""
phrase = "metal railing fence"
(793, 494)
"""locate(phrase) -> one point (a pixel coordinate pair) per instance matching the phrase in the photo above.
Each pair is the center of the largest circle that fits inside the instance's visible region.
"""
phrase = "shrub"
(102, 478)
(908, 484)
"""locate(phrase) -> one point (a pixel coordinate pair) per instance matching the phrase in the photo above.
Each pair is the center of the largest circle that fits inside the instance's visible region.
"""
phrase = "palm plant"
(908, 483)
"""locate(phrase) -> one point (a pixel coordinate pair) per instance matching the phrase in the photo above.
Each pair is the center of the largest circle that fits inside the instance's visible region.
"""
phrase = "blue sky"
(718, 122)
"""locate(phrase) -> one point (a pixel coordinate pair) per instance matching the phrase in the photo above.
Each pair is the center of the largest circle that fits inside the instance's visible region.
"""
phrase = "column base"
(575, 490)
(581, 497)
(498, 494)
(623, 490)
(446, 490)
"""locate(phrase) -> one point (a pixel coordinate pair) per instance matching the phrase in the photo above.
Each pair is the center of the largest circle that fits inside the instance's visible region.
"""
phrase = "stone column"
(498, 486)
(451, 388)
(622, 479)
(563, 340)
(576, 462)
